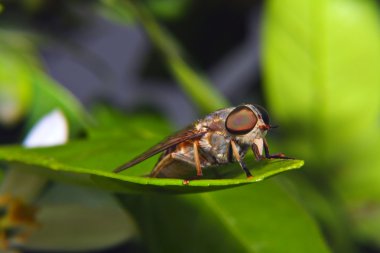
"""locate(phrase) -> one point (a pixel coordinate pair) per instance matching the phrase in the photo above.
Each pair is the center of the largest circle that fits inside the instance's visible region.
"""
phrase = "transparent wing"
(184, 135)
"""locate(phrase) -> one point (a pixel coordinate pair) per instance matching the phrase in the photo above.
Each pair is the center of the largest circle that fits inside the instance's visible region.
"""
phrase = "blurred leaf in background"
(321, 62)
(236, 220)
(321, 67)
(26, 90)
(168, 9)
(15, 77)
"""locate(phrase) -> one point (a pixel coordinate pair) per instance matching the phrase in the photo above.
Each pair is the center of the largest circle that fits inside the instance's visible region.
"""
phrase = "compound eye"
(241, 120)
(264, 114)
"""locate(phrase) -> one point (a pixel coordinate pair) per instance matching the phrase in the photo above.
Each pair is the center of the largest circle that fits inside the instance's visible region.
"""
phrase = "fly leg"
(236, 154)
(162, 163)
(177, 165)
(197, 163)
(173, 165)
(275, 156)
(196, 159)
(256, 152)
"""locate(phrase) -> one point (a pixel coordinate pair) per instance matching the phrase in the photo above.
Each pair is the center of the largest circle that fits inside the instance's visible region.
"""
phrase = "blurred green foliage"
(26, 90)
(236, 220)
(319, 79)
(320, 65)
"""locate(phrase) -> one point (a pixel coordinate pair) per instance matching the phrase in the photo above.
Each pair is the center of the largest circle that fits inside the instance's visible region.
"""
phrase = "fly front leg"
(236, 154)
(275, 156)
(256, 152)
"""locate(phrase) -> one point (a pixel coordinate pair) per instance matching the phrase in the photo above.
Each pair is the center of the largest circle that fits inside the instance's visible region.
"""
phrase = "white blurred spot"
(51, 130)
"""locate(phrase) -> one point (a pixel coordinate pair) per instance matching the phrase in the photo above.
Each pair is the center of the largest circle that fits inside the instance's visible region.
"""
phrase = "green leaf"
(49, 95)
(166, 9)
(79, 219)
(324, 209)
(110, 122)
(15, 77)
(99, 156)
(260, 218)
(26, 90)
(357, 185)
(169, 9)
(321, 68)
(117, 139)
(15, 92)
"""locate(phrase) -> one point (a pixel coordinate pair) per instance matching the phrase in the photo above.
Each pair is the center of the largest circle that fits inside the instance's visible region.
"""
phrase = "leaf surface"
(321, 68)
(260, 218)
(98, 157)
(321, 71)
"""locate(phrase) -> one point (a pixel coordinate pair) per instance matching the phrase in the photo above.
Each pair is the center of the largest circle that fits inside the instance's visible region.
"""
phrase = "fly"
(220, 137)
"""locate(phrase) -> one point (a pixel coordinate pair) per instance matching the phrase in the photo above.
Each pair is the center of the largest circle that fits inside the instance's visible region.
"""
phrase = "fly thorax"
(204, 143)
(199, 125)
(217, 145)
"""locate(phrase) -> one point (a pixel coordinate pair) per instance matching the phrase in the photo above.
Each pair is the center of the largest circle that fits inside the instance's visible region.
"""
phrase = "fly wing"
(184, 135)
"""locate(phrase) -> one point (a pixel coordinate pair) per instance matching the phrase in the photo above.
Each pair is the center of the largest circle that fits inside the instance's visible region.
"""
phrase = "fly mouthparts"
(275, 126)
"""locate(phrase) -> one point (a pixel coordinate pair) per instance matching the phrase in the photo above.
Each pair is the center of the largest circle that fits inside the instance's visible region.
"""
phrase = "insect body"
(221, 137)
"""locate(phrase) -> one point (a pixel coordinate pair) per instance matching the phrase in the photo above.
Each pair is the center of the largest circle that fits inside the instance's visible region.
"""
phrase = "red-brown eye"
(241, 120)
